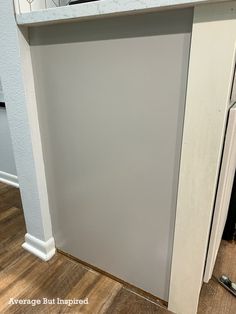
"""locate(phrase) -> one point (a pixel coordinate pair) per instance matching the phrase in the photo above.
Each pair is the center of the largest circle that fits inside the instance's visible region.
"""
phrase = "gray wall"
(1, 93)
(111, 97)
(7, 162)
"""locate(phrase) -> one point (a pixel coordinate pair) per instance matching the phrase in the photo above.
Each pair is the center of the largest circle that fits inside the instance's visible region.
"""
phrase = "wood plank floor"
(214, 299)
(23, 276)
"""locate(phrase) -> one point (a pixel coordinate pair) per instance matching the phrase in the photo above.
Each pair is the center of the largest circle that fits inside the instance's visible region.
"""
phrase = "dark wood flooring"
(23, 276)
(214, 299)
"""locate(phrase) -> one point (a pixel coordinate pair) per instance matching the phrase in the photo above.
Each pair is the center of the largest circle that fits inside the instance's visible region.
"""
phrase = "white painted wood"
(21, 6)
(9, 179)
(18, 87)
(42, 249)
(25, 6)
(223, 194)
(97, 9)
(32, 113)
(36, 5)
(209, 86)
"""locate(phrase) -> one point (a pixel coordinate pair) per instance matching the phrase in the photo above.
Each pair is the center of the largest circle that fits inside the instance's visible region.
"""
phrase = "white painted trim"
(98, 9)
(32, 111)
(42, 249)
(19, 94)
(223, 194)
(208, 93)
(9, 179)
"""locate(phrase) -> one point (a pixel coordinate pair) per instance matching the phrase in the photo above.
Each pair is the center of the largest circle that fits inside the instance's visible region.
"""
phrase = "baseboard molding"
(9, 179)
(42, 249)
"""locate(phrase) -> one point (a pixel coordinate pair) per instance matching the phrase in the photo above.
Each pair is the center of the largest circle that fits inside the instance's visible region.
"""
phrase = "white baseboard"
(9, 179)
(42, 249)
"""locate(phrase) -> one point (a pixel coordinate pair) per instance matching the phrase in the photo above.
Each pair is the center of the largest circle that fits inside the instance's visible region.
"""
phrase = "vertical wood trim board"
(29, 88)
(208, 92)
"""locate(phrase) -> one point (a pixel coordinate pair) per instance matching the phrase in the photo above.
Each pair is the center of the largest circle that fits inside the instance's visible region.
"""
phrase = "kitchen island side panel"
(111, 99)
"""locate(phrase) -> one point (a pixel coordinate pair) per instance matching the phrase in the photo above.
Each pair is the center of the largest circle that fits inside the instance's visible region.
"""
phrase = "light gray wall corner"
(1, 92)
(16, 71)
(7, 162)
